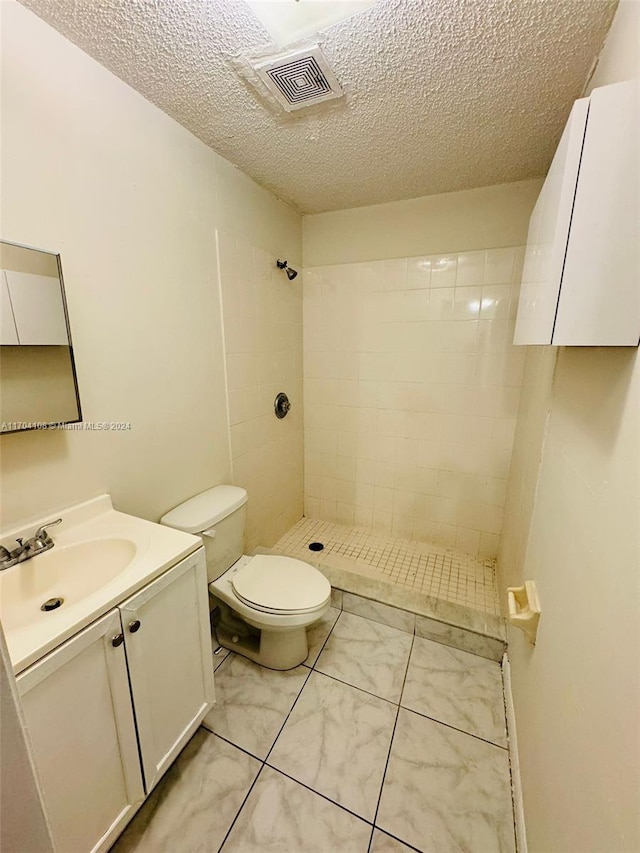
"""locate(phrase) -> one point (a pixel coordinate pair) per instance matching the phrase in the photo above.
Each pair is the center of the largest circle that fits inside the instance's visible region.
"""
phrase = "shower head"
(283, 265)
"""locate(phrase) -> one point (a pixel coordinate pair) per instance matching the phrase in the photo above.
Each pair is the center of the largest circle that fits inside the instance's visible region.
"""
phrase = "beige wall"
(532, 422)
(131, 200)
(484, 218)
(573, 526)
(262, 313)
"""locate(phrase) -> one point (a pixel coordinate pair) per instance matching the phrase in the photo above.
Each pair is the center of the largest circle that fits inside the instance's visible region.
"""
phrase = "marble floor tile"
(318, 633)
(195, 803)
(457, 688)
(367, 655)
(281, 816)
(383, 843)
(252, 703)
(445, 790)
(336, 741)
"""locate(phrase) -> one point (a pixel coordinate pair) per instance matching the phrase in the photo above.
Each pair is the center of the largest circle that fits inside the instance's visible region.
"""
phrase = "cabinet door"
(168, 642)
(38, 308)
(8, 333)
(79, 719)
(600, 296)
(548, 235)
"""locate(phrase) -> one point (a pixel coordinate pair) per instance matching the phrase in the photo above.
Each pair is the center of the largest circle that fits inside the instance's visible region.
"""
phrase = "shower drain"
(316, 546)
(52, 604)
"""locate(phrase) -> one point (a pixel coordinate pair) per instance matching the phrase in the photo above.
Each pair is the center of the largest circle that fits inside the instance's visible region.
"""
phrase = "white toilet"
(265, 602)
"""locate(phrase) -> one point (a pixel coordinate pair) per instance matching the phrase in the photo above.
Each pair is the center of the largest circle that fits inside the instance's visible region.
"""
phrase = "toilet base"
(273, 649)
(280, 649)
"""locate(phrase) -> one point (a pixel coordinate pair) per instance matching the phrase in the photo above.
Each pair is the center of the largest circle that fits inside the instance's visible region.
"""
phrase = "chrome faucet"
(38, 544)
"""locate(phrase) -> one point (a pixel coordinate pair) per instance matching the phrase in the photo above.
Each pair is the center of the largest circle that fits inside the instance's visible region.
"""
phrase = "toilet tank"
(218, 516)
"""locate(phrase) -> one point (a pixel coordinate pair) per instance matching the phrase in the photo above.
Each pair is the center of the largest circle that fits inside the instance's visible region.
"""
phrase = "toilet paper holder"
(524, 609)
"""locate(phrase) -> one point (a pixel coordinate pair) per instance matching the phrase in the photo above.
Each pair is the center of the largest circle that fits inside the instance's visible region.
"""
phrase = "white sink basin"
(70, 574)
(99, 559)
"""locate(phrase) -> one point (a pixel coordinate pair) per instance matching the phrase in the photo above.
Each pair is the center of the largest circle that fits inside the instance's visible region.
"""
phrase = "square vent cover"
(299, 79)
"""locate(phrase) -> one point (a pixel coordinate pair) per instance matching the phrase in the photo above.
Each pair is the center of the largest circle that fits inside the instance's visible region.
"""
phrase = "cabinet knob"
(118, 640)
(134, 626)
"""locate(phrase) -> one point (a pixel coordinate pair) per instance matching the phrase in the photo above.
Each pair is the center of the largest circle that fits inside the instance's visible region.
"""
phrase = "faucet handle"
(41, 532)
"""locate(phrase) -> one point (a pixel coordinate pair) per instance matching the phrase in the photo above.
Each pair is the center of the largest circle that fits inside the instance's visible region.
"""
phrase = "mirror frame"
(48, 425)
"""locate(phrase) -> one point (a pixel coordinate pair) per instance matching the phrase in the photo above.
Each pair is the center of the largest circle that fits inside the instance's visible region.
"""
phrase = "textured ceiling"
(441, 95)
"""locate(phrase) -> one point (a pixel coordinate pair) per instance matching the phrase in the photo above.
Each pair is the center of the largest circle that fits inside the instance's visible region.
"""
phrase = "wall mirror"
(38, 385)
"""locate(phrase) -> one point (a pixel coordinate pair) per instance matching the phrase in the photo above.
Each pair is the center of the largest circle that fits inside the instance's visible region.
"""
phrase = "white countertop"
(157, 548)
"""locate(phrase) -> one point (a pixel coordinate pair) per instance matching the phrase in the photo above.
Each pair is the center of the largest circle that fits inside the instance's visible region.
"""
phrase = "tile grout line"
(319, 794)
(308, 676)
(246, 797)
(354, 686)
(455, 728)
(235, 745)
(226, 658)
(263, 764)
(311, 669)
(395, 837)
(393, 734)
(326, 639)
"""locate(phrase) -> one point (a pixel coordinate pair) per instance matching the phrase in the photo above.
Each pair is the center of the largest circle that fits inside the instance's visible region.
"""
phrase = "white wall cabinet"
(108, 710)
(581, 278)
(37, 309)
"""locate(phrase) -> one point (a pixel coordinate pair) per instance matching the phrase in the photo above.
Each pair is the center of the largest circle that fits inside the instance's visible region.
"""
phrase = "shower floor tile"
(337, 768)
(437, 572)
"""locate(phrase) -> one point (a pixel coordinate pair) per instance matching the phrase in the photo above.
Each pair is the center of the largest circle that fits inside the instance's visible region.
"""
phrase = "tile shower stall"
(411, 389)
(411, 395)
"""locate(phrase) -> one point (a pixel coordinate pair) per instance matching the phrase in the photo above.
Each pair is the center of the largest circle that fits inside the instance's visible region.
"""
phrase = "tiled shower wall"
(262, 317)
(411, 395)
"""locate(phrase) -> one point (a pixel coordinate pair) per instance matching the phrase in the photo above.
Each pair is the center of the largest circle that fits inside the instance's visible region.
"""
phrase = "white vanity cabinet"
(108, 710)
(78, 714)
(581, 278)
(168, 641)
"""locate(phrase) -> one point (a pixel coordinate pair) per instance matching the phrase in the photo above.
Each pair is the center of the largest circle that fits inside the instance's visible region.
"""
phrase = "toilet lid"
(281, 585)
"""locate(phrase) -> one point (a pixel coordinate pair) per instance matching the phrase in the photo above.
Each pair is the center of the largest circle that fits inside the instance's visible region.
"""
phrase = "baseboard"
(516, 785)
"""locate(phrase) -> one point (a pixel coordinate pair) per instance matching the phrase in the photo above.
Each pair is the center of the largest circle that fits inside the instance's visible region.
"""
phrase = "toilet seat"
(280, 585)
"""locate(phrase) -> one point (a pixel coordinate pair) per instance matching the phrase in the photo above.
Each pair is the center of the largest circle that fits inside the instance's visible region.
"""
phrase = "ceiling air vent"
(300, 78)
